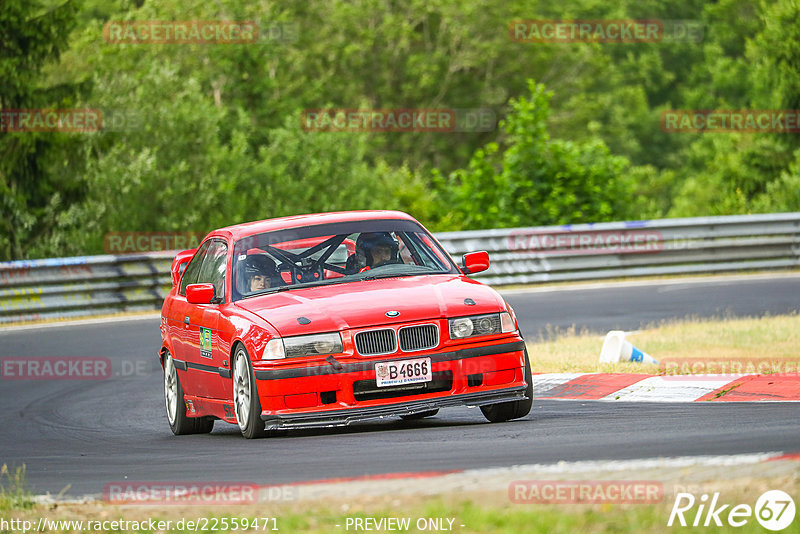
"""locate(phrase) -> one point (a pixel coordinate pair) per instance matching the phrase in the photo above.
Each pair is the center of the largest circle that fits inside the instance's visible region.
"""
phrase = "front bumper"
(332, 418)
(369, 365)
(339, 393)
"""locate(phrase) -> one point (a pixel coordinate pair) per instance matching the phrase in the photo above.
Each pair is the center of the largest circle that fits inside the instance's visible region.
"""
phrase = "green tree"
(222, 121)
(754, 63)
(178, 162)
(33, 183)
(537, 180)
(162, 161)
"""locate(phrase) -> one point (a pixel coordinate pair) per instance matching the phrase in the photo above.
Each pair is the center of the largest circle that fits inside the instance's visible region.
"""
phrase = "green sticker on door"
(205, 342)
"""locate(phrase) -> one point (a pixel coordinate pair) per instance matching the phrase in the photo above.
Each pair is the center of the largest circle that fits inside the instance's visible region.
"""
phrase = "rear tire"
(505, 411)
(179, 423)
(246, 404)
(420, 415)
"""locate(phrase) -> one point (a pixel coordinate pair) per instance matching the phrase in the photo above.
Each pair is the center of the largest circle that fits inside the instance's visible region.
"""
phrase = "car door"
(177, 322)
(204, 356)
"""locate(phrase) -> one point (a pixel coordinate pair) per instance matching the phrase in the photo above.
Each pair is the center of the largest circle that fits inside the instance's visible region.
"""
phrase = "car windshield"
(334, 253)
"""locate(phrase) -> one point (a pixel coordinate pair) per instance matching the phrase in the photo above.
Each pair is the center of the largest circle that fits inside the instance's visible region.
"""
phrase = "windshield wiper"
(387, 275)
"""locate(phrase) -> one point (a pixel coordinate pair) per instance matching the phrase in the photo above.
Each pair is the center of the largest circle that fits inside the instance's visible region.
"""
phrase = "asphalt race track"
(635, 305)
(82, 435)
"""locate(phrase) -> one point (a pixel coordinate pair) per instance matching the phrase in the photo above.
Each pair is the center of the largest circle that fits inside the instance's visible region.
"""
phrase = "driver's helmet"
(253, 265)
(368, 242)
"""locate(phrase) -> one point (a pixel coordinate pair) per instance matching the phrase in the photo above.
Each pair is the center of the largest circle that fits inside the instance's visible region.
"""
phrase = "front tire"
(175, 404)
(505, 411)
(245, 396)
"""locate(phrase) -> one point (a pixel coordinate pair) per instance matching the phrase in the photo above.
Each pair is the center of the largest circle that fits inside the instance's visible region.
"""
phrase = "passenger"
(258, 272)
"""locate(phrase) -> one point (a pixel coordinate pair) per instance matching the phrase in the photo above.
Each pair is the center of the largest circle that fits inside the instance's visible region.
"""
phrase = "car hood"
(365, 303)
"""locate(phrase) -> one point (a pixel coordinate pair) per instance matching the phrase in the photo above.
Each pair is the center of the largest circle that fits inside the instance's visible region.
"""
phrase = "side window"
(213, 269)
(193, 269)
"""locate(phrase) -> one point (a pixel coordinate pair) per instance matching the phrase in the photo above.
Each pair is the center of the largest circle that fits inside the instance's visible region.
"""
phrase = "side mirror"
(200, 293)
(179, 264)
(475, 262)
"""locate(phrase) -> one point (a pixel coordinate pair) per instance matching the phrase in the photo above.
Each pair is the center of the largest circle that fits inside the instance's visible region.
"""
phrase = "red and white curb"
(666, 388)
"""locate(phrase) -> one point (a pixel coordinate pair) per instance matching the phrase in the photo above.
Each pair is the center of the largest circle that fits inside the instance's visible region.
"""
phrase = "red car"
(328, 319)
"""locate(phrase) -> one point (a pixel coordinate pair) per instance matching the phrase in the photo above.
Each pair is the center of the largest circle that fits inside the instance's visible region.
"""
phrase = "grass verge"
(775, 338)
(463, 514)
(13, 493)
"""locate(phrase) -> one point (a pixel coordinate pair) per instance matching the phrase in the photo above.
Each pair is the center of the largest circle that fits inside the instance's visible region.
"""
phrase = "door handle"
(186, 320)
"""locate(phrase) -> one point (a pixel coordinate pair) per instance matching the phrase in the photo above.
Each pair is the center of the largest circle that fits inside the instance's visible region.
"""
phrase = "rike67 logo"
(774, 510)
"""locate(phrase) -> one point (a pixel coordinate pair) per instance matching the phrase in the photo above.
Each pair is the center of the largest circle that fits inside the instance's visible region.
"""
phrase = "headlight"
(461, 327)
(298, 346)
(481, 325)
(313, 345)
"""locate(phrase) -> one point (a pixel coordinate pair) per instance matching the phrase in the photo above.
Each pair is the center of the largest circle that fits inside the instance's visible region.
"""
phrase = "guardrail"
(83, 286)
(91, 285)
(634, 248)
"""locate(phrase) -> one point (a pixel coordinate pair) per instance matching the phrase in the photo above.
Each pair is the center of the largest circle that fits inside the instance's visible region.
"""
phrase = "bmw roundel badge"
(392, 313)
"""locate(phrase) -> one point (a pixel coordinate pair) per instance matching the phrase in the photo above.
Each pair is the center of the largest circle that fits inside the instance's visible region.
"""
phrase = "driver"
(258, 272)
(377, 248)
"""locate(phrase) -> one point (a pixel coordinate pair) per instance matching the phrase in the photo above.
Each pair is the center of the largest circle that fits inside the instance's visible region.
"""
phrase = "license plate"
(413, 371)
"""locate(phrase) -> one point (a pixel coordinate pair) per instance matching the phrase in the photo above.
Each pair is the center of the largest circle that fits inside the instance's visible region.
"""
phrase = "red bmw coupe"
(328, 319)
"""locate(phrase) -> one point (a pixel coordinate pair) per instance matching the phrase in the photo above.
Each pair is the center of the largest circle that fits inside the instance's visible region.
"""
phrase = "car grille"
(418, 337)
(374, 342)
(368, 389)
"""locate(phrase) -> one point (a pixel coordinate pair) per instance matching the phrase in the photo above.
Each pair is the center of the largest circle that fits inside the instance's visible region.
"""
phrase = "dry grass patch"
(773, 338)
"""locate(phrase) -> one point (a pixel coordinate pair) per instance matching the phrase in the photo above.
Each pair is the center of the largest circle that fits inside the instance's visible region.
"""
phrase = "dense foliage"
(205, 135)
